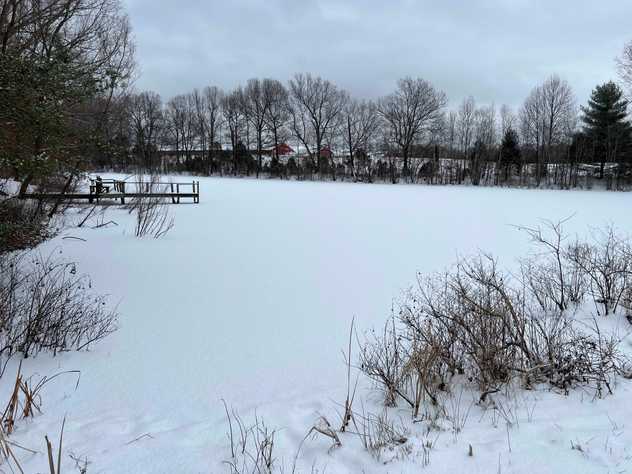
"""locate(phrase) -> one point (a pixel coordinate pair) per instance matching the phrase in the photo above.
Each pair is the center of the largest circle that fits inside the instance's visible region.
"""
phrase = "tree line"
(67, 106)
(408, 135)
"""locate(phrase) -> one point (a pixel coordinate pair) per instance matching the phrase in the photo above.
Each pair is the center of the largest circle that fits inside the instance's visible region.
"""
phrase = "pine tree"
(509, 151)
(606, 126)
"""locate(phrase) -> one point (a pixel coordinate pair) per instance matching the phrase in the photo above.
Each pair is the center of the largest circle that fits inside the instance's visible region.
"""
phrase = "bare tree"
(361, 123)
(484, 141)
(174, 119)
(96, 31)
(278, 113)
(451, 132)
(213, 97)
(182, 124)
(200, 125)
(507, 119)
(316, 106)
(409, 111)
(624, 66)
(532, 125)
(465, 124)
(146, 117)
(256, 104)
(232, 110)
(560, 111)
(547, 118)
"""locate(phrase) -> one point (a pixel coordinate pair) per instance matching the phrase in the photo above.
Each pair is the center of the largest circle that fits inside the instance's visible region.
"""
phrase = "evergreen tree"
(606, 126)
(61, 64)
(509, 151)
(40, 100)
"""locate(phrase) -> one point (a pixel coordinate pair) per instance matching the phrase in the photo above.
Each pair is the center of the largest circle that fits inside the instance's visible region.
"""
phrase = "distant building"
(326, 153)
(282, 149)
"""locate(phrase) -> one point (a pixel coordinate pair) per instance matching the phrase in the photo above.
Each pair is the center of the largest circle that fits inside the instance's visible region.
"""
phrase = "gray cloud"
(495, 50)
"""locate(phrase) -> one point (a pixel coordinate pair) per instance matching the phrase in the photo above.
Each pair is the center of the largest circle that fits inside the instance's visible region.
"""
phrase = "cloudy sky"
(494, 50)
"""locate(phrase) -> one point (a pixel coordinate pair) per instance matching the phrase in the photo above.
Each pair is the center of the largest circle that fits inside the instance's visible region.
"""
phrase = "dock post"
(173, 198)
(178, 191)
(121, 186)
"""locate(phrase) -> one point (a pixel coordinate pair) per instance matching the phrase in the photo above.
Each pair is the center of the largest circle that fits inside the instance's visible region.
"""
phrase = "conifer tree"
(509, 151)
(605, 124)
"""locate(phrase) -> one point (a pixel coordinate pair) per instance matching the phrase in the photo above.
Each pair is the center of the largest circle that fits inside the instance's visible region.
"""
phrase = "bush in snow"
(491, 328)
(152, 214)
(46, 306)
(606, 262)
(23, 224)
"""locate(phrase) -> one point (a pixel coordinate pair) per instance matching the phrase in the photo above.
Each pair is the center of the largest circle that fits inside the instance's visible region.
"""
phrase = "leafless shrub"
(152, 214)
(45, 305)
(552, 278)
(382, 360)
(421, 376)
(152, 218)
(483, 317)
(491, 329)
(607, 265)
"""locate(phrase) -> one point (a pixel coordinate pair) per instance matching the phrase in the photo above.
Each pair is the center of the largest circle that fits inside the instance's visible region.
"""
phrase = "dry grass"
(55, 468)
(251, 445)
(25, 400)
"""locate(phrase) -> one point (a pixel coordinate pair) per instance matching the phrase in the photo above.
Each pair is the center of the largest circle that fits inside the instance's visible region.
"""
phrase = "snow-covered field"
(250, 298)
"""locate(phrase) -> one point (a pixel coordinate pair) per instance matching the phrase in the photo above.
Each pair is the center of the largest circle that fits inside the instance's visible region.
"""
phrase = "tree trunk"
(353, 174)
(259, 132)
(405, 168)
(318, 146)
(209, 167)
(25, 184)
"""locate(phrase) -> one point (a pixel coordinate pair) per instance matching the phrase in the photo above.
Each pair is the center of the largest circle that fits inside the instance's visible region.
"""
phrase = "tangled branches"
(46, 306)
(492, 328)
(152, 214)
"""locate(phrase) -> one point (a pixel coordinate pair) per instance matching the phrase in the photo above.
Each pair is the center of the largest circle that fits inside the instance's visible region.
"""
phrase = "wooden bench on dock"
(101, 189)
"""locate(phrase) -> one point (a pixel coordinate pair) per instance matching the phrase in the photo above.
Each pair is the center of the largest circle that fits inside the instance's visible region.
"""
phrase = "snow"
(250, 298)
(8, 187)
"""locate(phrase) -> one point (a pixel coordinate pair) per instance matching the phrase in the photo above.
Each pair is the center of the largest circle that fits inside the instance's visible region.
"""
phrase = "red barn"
(284, 149)
(326, 153)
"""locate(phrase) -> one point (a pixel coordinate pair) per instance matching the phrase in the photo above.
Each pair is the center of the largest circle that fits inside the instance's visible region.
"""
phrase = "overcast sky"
(495, 50)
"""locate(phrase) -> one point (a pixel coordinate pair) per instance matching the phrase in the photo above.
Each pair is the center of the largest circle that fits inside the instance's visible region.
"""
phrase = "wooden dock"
(112, 189)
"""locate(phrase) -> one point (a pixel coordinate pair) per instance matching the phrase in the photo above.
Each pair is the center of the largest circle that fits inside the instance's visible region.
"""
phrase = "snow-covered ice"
(249, 299)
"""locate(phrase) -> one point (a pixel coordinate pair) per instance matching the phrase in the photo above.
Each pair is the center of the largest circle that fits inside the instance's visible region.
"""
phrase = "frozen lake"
(250, 297)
